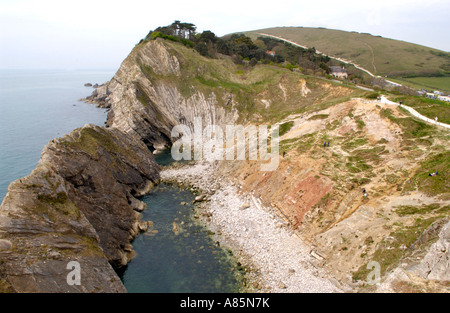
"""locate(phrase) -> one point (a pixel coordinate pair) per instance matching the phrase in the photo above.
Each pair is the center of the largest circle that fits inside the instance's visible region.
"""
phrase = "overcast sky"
(99, 34)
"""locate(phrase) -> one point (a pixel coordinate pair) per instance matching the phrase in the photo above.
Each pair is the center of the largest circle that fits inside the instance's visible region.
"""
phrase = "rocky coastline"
(79, 205)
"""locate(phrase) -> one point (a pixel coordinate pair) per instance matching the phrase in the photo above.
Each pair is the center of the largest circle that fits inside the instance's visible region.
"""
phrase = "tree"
(242, 49)
(223, 46)
(208, 36)
(202, 48)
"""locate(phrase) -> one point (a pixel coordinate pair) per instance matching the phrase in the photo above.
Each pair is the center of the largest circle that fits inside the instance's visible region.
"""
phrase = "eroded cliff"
(151, 93)
(77, 205)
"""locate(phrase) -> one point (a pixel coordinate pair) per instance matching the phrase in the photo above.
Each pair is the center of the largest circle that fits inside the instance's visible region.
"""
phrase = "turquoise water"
(184, 259)
(37, 106)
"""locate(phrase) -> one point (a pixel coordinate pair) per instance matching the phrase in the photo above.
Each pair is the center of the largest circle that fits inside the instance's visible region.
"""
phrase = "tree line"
(242, 48)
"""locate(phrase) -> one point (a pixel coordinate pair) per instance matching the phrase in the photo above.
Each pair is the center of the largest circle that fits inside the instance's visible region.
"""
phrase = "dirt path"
(336, 58)
(384, 100)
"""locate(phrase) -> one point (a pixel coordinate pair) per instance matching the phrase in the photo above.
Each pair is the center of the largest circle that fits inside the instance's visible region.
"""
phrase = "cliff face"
(151, 93)
(77, 205)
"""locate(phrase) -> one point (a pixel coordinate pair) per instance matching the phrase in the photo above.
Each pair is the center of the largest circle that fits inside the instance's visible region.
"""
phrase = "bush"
(164, 36)
(285, 127)
(373, 95)
(187, 43)
(289, 66)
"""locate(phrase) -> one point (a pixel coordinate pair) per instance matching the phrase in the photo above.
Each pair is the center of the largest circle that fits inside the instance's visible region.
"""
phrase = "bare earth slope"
(317, 189)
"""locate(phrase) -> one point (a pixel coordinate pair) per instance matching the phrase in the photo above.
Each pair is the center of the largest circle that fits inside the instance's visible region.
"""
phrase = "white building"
(444, 98)
(338, 71)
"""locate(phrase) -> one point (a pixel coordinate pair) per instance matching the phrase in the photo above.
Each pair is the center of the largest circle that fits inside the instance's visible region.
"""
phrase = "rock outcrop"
(77, 205)
(151, 93)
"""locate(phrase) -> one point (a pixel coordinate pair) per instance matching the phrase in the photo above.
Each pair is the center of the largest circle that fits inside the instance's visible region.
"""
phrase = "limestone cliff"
(151, 93)
(77, 205)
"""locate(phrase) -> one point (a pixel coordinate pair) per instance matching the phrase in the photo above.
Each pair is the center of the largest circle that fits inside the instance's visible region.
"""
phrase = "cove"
(177, 254)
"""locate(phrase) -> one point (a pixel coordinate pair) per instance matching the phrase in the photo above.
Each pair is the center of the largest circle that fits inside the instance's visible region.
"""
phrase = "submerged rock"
(143, 226)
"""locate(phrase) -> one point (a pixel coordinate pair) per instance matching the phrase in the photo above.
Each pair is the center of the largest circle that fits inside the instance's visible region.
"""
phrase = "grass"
(90, 140)
(247, 86)
(427, 107)
(357, 165)
(301, 144)
(360, 122)
(318, 117)
(411, 127)
(370, 154)
(405, 210)
(351, 144)
(379, 55)
(433, 185)
(390, 252)
(428, 83)
(285, 127)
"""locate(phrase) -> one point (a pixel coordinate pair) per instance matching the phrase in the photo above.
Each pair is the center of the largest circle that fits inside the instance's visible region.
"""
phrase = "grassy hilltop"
(413, 64)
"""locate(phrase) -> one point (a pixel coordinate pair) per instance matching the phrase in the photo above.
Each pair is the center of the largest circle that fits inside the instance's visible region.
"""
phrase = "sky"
(99, 34)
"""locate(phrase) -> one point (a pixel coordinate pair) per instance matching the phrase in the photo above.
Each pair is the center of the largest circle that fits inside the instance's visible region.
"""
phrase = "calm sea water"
(178, 254)
(37, 106)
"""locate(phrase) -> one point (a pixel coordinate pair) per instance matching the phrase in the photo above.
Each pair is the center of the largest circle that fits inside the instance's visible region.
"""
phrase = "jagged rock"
(245, 206)
(75, 206)
(282, 285)
(136, 204)
(149, 108)
(143, 226)
(199, 198)
(128, 247)
(5, 244)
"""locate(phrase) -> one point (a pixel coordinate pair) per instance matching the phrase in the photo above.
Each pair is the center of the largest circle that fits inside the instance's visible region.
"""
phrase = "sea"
(39, 105)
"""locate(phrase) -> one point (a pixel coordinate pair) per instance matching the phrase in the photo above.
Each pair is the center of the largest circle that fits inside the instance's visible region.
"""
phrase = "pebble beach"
(276, 259)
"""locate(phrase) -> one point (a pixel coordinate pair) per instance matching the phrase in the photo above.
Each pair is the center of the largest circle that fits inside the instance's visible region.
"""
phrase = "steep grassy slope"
(164, 83)
(381, 56)
(262, 93)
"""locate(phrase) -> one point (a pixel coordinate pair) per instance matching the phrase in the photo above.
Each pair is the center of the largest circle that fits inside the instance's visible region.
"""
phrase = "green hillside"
(381, 56)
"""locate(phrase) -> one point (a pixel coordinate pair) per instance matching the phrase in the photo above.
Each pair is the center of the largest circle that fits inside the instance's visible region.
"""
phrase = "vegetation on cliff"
(242, 48)
(411, 64)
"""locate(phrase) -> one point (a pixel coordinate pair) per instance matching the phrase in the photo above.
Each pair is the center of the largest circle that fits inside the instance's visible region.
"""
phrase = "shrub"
(285, 127)
(373, 95)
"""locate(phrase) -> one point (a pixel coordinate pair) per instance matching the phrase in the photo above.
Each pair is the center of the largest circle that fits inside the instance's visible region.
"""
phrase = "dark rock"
(75, 206)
